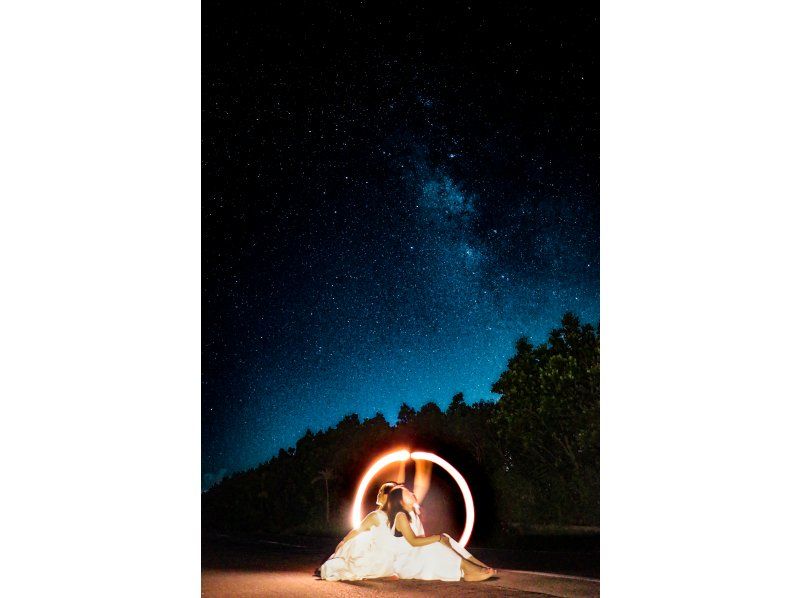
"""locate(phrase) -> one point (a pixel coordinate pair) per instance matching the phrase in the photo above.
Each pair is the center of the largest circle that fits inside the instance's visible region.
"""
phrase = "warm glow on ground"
(404, 455)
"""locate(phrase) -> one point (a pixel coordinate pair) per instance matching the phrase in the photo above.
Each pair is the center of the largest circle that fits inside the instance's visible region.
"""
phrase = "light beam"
(404, 455)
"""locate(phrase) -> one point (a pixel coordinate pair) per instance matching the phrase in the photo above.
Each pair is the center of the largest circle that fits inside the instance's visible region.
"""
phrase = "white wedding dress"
(369, 555)
(434, 561)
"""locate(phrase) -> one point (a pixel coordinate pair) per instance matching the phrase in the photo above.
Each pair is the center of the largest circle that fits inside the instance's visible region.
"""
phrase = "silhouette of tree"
(457, 405)
(406, 415)
(537, 448)
(548, 419)
(325, 475)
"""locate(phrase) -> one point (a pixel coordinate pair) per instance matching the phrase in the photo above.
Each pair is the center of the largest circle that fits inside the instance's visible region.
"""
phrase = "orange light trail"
(404, 455)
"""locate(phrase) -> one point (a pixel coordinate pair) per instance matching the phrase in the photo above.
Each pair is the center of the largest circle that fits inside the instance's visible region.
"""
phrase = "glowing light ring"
(404, 455)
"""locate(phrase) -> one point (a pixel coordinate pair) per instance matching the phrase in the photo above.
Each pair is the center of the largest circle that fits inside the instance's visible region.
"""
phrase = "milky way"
(390, 199)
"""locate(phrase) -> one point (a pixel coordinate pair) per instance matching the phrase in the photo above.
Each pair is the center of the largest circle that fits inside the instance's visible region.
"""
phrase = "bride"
(427, 557)
(387, 544)
(411, 505)
(366, 552)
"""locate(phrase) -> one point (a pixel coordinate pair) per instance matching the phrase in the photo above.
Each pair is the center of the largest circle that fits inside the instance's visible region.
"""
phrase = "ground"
(284, 567)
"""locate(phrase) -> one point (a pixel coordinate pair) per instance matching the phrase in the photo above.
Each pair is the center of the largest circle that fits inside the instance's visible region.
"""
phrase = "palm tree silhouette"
(325, 475)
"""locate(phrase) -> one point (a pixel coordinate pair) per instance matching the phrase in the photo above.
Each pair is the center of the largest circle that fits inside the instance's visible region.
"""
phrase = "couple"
(391, 543)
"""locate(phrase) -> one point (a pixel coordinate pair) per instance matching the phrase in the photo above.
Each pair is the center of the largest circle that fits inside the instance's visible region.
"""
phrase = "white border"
(699, 293)
(100, 300)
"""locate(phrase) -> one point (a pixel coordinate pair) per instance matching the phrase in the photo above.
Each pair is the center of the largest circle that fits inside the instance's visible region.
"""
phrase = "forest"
(531, 457)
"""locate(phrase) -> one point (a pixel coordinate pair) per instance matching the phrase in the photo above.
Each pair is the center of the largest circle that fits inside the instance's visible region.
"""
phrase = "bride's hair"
(394, 505)
(384, 489)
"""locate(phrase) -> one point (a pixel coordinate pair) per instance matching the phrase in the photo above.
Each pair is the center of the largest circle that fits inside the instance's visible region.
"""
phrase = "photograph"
(303, 299)
(400, 299)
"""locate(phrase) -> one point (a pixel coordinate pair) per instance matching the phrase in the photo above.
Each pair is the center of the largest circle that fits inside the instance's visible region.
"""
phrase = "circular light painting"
(404, 455)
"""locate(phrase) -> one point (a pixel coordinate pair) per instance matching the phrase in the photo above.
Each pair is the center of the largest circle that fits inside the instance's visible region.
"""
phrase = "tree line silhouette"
(531, 457)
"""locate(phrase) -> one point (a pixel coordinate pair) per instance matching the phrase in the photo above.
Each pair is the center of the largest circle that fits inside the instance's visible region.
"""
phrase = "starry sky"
(393, 193)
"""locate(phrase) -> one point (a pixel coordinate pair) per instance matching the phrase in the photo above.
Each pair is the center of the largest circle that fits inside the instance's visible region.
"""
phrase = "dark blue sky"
(390, 199)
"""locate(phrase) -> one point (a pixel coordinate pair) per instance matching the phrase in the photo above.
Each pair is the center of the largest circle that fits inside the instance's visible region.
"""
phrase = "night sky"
(391, 197)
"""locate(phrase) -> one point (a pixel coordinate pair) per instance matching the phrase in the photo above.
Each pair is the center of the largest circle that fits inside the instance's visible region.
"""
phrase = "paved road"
(236, 570)
(244, 584)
